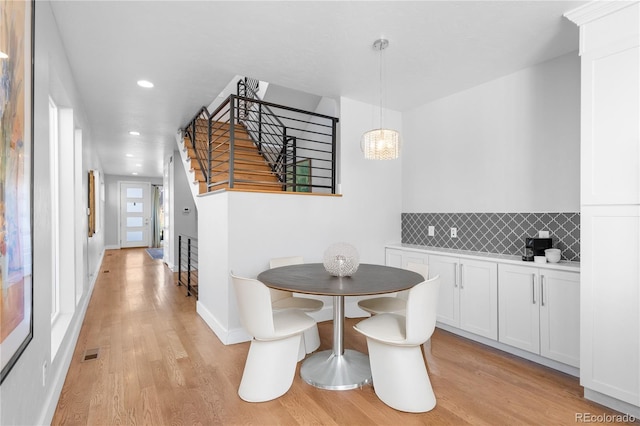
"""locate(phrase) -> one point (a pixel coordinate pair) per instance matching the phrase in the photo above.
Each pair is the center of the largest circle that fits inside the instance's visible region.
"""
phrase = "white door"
(135, 214)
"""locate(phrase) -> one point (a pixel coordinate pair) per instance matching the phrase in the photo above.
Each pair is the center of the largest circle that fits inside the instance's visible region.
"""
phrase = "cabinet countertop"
(476, 255)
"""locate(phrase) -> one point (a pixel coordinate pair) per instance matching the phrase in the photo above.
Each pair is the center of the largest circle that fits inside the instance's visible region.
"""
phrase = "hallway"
(160, 364)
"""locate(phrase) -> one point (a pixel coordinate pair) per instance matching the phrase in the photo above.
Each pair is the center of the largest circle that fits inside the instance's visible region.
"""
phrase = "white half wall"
(241, 231)
(509, 145)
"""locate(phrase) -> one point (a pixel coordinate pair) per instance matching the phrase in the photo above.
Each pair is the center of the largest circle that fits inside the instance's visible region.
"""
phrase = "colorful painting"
(16, 108)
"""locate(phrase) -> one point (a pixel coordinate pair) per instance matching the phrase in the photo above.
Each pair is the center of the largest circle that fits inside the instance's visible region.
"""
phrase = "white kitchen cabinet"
(468, 296)
(610, 202)
(611, 301)
(610, 103)
(539, 311)
(400, 258)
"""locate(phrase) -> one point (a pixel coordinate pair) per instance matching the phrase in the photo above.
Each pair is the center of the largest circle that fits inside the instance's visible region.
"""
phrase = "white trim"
(613, 403)
(595, 10)
(227, 337)
(112, 247)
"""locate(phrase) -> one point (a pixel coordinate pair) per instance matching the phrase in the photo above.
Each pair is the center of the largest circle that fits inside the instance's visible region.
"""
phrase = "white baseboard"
(65, 353)
(227, 337)
(616, 404)
(112, 247)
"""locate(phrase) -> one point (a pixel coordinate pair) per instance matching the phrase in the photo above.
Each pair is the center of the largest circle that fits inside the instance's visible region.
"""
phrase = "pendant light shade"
(380, 144)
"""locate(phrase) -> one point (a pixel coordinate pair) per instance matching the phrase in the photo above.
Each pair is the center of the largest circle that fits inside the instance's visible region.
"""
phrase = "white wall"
(24, 400)
(185, 223)
(509, 145)
(241, 231)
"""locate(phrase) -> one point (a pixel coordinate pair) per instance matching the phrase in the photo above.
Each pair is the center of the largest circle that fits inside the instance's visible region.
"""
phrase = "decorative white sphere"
(341, 259)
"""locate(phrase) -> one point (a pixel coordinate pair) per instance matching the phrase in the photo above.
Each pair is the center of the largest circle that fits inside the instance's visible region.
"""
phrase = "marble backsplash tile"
(501, 233)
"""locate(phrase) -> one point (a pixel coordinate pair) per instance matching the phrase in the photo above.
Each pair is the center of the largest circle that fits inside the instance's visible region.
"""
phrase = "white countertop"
(563, 265)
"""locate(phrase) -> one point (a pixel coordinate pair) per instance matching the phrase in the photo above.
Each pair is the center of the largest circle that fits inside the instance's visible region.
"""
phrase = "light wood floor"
(159, 364)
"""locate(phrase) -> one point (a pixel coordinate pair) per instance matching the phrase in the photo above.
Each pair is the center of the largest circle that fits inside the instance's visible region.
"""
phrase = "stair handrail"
(190, 133)
(277, 137)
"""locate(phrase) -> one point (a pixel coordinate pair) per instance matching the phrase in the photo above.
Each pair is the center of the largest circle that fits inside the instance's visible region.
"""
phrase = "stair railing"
(265, 128)
(188, 264)
(299, 147)
(200, 147)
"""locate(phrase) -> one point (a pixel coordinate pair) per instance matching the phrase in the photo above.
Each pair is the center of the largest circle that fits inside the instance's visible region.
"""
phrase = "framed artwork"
(16, 177)
(302, 176)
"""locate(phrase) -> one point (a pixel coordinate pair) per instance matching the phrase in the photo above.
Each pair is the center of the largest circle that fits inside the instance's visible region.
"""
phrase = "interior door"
(135, 214)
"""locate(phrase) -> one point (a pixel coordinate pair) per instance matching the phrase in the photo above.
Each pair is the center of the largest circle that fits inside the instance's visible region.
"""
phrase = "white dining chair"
(273, 354)
(393, 304)
(398, 369)
(283, 300)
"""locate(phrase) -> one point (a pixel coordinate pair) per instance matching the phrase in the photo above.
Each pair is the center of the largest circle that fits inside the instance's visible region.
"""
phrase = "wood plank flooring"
(159, 364)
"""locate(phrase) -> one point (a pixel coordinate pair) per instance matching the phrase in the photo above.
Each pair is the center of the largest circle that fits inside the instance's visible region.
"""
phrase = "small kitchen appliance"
(534, 246)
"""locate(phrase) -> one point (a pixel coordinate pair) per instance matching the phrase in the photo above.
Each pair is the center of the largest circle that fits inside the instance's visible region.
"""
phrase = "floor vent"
(91, 354)
(105, 272)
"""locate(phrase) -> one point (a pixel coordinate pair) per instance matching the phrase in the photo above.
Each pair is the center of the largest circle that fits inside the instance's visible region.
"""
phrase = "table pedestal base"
(325, 370)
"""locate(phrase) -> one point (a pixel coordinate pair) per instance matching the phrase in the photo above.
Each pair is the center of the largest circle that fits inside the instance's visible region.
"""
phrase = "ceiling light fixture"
(129, 155)
(134, 133)
(146, 84)
(381, 143)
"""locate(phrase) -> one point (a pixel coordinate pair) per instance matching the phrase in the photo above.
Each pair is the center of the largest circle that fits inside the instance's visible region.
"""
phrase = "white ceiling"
(191, 50)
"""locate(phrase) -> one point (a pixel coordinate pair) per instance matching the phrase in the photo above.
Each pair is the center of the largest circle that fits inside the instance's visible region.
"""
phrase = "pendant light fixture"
(381, 143)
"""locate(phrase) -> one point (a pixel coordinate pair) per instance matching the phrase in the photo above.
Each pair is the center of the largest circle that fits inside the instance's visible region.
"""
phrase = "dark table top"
(312, 278)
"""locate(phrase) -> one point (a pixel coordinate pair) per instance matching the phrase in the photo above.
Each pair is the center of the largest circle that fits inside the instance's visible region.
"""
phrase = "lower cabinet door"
(479, 297)
(448, 298)
(518, 311)
(560, 316)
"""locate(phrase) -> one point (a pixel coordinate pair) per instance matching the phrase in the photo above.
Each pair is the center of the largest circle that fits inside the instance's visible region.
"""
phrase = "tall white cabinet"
(610, 202)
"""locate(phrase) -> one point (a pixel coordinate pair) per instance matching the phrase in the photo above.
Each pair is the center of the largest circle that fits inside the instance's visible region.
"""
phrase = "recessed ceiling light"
(129, 155)
(3, 55)
(134, 133)
(134, 173)
(145, 83)
(138, 165)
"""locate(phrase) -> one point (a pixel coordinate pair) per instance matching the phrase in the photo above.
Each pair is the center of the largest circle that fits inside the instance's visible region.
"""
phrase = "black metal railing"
(197, 141)
(188, 264)
(297, 148)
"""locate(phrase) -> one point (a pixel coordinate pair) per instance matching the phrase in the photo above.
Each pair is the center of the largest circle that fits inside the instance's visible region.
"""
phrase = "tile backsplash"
(501, 233)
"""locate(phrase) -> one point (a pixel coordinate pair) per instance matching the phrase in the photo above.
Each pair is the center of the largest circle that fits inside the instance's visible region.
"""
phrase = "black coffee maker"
(534, 246)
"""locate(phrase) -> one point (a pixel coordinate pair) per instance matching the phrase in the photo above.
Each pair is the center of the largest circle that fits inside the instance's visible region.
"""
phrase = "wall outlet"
(431, 231)
(543, 234)
(44, 373)
(454, 232)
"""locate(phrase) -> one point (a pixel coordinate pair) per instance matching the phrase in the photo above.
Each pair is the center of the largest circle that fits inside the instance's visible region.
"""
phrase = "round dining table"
(338, 368)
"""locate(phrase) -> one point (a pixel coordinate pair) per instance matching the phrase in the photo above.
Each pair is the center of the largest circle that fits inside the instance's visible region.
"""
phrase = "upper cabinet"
(610, 97)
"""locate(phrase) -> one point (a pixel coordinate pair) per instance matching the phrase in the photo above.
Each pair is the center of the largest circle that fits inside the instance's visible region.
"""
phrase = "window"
(55, 201)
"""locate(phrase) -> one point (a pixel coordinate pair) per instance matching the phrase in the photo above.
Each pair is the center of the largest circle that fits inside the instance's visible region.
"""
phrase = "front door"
(135, 212)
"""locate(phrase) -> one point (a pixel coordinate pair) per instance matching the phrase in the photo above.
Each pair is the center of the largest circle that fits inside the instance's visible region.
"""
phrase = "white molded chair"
(393, 304)
(398, 369)
(283, 300)
(273, 354)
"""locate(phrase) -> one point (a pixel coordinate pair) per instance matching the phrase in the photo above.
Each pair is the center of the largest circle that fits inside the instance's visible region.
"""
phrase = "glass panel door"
(135, 210)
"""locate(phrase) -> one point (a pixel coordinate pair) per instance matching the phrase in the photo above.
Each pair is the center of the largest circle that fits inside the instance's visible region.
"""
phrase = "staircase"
(250, 144)
(250, 169)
